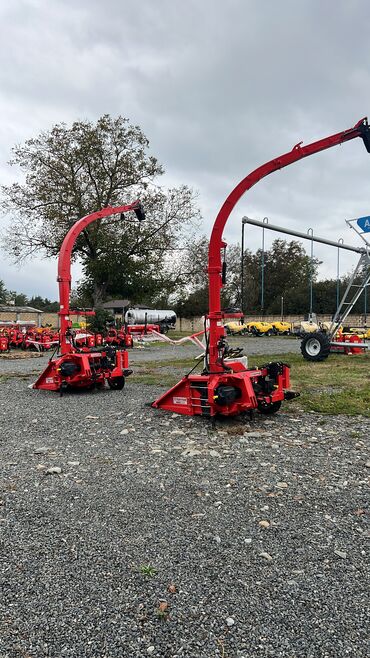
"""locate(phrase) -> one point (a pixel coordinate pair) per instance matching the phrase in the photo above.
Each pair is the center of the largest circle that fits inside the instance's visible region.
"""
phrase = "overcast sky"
(218, 86)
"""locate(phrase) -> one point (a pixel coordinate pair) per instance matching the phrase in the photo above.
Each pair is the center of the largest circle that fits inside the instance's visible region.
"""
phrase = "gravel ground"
(163, 536)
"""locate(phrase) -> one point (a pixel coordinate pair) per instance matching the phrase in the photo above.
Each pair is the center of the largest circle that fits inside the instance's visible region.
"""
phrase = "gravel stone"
(87, 555)
(266, 556)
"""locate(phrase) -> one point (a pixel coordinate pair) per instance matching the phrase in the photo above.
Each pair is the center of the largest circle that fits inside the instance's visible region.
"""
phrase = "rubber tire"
(270, 409)
(116, 383)
(315, 346)
(269, 332)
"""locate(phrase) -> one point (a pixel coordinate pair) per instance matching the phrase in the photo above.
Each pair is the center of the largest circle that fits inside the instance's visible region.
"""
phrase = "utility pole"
(242, 270)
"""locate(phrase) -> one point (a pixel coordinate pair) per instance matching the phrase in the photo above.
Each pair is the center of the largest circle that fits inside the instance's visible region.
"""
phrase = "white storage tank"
(165, 318)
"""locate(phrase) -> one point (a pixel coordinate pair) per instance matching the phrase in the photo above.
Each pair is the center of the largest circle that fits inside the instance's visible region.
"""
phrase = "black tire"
(116, 383)
(268, 409)
(315, 346)
(270, 332)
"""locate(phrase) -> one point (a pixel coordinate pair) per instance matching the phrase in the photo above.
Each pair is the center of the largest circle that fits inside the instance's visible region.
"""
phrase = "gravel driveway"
(161, 536)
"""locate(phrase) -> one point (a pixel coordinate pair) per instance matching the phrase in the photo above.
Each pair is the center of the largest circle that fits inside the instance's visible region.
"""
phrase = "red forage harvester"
(227, 386)
(83, 367)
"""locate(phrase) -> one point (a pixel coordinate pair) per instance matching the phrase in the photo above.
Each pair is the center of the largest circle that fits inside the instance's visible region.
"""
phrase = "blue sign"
(364, 224)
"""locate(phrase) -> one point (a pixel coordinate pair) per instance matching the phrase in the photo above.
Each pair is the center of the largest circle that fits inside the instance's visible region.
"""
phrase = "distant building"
(18, 313)
(116, 306)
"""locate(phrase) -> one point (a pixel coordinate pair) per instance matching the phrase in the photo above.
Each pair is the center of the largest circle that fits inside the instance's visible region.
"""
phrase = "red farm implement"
(226, 385)
(118, 338)
(88, 366)
(4, 343)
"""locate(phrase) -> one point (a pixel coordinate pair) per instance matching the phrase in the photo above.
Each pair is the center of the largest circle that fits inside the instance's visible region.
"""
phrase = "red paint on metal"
(82, 367)
(195, 394)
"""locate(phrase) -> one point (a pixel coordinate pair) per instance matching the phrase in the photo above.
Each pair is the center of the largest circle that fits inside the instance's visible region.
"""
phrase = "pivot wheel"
(268, 409)
(116, 383)
(315, 347)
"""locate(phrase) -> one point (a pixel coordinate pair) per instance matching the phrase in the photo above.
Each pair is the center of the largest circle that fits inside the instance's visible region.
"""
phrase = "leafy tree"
(19, 298)
(287, 269)
(43, 303)
(324, 294)
(72, 171)
(3, 293)
(146, 262)
(99, 321)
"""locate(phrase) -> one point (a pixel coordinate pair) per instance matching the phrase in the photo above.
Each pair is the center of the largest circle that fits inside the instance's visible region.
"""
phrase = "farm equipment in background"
(83, 367)
(281, 328)
(140, 330)
(21, 337)
(87, 339)
(236, 329)
(4, 343)
(346, 343)
(260, 328)
(118, 338)
(304, 327)
(13, 336)
(320, 341)
(362, 332)
(226, 386)
(145, 317)
(40, 340)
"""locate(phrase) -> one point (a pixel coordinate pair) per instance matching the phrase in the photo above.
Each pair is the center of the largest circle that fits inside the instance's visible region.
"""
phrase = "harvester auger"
(75, 367)
(226, 386)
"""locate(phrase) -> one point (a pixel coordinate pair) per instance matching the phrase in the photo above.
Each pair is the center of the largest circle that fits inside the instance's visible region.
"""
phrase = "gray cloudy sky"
(218, 86)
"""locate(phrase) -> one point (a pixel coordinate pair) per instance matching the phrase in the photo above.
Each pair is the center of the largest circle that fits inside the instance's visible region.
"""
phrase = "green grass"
(148, 570)
(338, 385)
(154, 378)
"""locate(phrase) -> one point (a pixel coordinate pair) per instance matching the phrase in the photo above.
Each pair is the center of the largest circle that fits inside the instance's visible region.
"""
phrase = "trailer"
(166, 319)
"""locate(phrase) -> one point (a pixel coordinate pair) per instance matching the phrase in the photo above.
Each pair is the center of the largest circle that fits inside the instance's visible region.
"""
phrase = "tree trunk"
(99, 293)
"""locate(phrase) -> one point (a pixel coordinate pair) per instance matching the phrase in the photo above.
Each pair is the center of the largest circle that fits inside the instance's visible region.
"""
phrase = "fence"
(188, 325)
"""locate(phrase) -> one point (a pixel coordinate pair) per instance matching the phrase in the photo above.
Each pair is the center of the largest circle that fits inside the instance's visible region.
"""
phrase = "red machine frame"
(227, 387)
(83, 367)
